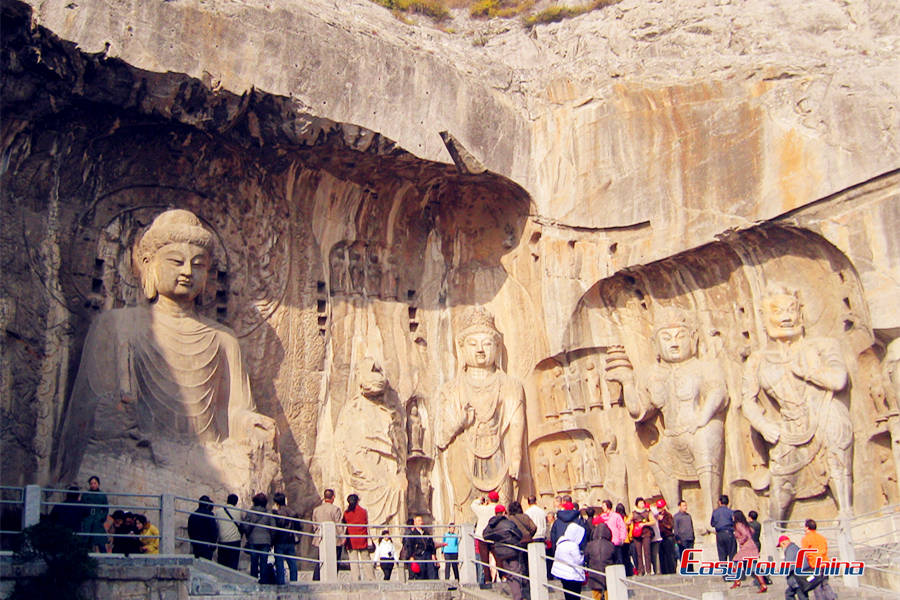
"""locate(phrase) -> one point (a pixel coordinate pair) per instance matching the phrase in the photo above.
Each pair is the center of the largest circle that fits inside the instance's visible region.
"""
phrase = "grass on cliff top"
(439, 10)
(559, 12)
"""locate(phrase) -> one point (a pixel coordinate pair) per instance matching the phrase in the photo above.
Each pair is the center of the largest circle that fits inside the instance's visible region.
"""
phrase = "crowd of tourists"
(87, 513)
(648, 539)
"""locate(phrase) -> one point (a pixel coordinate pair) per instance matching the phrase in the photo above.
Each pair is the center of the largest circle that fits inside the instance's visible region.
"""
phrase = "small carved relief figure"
(548, 396)
(373, 272)
(592, 381)
(390, 281)
(560, 392)
(415, 430)
(592, 472)
(811, 437)
(691, 395)
(357, 268)
(481, 426)
(544, 486)
(560, 471)
(369, 446)
(338, 266)
(573, 387)
(617, 471)
(182, 373)
(576, 462)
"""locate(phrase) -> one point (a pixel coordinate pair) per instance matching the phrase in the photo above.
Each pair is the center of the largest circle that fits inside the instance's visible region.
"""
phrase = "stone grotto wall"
(335, 245)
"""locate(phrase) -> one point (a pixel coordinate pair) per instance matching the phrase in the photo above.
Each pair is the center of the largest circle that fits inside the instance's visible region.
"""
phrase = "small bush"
(430, 8)
(499, 8)
(67, 559)
(558, 13)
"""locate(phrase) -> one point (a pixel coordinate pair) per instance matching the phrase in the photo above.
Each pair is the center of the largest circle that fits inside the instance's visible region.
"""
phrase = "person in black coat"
(71, 514)
(203, 529)
(599, 554)
(505, 537)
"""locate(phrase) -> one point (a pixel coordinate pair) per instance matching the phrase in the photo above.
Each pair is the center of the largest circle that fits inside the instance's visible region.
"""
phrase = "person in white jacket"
(568, 561)
(384, 554)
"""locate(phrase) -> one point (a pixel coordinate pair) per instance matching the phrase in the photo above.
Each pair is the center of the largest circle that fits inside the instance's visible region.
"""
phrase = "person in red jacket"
(357, 542)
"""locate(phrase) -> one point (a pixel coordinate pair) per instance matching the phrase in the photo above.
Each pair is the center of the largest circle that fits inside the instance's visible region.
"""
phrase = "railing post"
(467, 574)
(167, 524)
(769, 539)
(32, 513)
(845, 547)
(537, 571)
(615, 582)
(328, 552)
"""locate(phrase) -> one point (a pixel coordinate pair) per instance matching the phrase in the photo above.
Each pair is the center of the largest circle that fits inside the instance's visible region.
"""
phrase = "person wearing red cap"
(667, 545)
(794, 587)
(504, 538)
(484, 510)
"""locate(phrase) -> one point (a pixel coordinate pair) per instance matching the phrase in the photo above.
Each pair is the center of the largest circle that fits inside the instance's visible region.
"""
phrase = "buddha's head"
(174, 256)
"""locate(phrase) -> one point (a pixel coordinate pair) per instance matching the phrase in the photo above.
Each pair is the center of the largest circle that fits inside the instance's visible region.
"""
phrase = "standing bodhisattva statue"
(690, 393)
(160, 368)
(812, 437)
(481, 427)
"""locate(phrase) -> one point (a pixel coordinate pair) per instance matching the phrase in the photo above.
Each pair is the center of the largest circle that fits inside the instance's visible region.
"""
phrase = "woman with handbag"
(642, 531)
(357, 542)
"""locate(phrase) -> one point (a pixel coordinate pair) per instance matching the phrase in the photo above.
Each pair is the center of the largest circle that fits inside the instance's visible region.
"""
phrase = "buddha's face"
(181, 270)
(675, 344)
(479, 350)
(782, 316)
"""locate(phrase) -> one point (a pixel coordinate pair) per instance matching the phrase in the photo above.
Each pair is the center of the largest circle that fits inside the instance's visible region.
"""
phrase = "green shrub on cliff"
(67, 559)
(430, 8)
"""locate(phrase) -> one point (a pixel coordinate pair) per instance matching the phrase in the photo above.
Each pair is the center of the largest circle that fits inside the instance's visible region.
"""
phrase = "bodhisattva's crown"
(671, 316)
(476, 319)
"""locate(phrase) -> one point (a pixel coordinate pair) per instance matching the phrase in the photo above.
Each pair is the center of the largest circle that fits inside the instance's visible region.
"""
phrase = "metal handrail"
(250, 550)
(89, 491)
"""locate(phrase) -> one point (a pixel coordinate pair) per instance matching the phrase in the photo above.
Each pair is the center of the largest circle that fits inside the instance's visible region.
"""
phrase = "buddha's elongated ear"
(148, 279)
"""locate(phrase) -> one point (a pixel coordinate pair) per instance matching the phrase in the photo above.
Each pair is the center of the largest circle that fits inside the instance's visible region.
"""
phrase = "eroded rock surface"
(644, 157)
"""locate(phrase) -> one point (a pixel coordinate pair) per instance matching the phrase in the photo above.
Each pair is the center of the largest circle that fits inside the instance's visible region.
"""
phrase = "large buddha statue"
(481, 427)
(690, 393)
(160, 372)
(810, 433)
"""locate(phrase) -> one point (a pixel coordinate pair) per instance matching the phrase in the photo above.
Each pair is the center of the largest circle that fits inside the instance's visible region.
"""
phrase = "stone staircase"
(695, 587)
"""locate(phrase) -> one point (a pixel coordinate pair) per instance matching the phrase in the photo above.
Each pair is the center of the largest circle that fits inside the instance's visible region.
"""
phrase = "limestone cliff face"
(647, 155)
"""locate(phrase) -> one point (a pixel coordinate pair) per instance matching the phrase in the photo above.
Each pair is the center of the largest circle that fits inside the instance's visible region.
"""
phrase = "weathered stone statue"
(811, 437)
(373, 272)
(481, 427)
(357, 268)
(560, 471)
(592, 472)
(338, 269)
(415, 430)
(370, 445)
(616, 482)
(592, 381)
(891, 372)
(160, 372)
(542, 479)
(691, 395)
